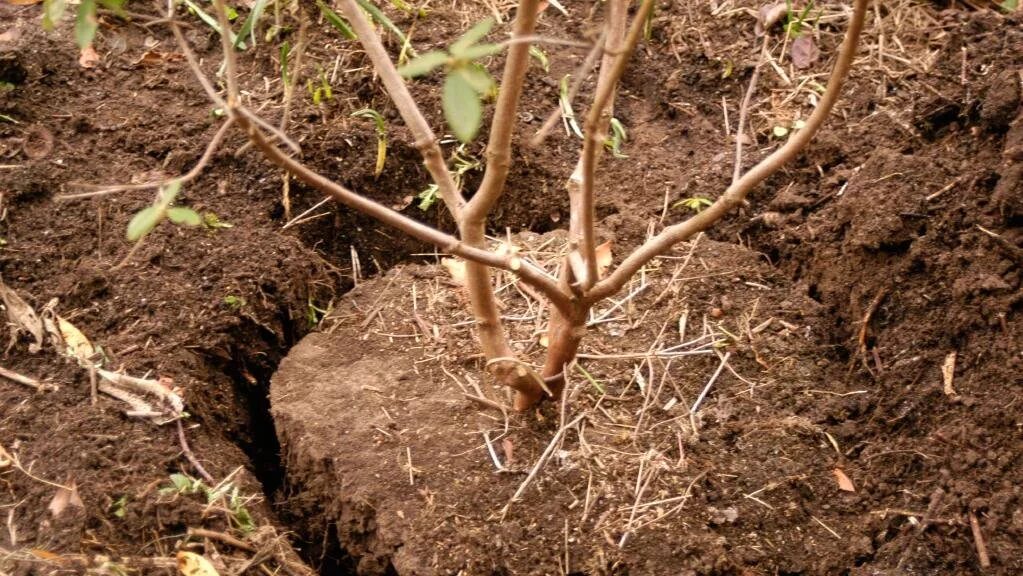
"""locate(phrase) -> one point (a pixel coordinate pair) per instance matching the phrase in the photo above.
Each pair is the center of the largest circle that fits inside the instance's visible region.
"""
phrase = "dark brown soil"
(876, 262)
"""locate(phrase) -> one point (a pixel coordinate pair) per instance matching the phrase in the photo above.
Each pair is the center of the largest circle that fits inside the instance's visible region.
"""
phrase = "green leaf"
(144, 221)
(181, 482)
(336, 21)
(462, 108)
(85, 24)
(53, 11)
(383, 20)
(116, 6)
(1010, 5)
(184, 216)
(423, 65)
(478, 51)
(248, 27)
(477, 77)
(472, 36)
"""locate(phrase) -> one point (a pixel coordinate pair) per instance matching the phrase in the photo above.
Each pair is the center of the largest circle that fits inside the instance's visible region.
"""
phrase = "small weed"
(795, 22)
(225, 492)
(320, 93)
(463, 163)
(315, 314)
(148, 218)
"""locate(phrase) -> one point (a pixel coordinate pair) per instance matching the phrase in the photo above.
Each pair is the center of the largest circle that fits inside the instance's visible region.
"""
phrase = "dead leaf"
(192, 564)
(65, 496)
(948, 370)
(88, 57)
(46, 555)
(604, 258)
(844, 483)
(155, 58)
(768, 16)
(77, 345)
(456, 268)
(22, 316)
(10, 35)
(804, 52)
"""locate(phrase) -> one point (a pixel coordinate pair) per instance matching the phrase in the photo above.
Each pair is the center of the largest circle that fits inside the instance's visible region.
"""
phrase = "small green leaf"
(144, 221)
(85, 24)
(116, 6)
(540, 56)
(423, 65)
(336, 21)
(462, 108)
(478, 51)
(472, 36)
(477, 77)
(53, 11)
(780, 131)
(249, 26)
(181, 482)
(184, 216)
(1010, 5)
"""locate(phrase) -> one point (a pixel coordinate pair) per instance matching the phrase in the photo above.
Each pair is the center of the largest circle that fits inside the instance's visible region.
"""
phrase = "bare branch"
(426, 141)
(573, 90)
(744, 110)
(503, 125)
(595, 120)
(736, 193)
(529, 273)
(211, 149)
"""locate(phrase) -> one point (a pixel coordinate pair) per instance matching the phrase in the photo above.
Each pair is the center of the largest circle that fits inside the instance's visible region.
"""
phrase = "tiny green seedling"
(211, 221)
(696, 203)
(428, 197)
(463, 163)
(795, 22)
(148, 218)
(320, 93)
(336, 21)
(120, 507)
(467, 82)
(226, 492)
(567, 115)
(615, 140)
(234, 302)
(381, 126)
(540, 56)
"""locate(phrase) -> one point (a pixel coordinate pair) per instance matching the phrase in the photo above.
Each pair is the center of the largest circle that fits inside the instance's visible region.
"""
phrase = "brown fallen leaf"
(22, 316)
(844, 483)
(88, 58)
(155, 58)
(804, 52)
(65, 496)
(768, 16)
(77, 345)
(456, 268)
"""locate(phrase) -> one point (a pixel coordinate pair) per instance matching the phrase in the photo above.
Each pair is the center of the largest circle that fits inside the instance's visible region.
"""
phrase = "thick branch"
(595, 120)
(736, 193)
(426, 141)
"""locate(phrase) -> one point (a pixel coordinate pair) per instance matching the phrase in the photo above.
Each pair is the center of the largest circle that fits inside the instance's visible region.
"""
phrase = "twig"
(978, 541)
(736, 192)
(706, 389)
(540, 463)
(225, 538)
(25, 380)
(187, 451)
(192, 174)
(573, 90)
(744, 110)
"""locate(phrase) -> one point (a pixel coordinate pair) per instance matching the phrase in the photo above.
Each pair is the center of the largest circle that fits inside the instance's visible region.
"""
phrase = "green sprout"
(381, 126)
(234, 302)
(696, 203)
(211, 221)
(540, 56)
(467, 82)
(567, 115)
(148, 218)
(617, 137)
(320, 93)
(336, 21)
(225, 492)
(794, 22)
